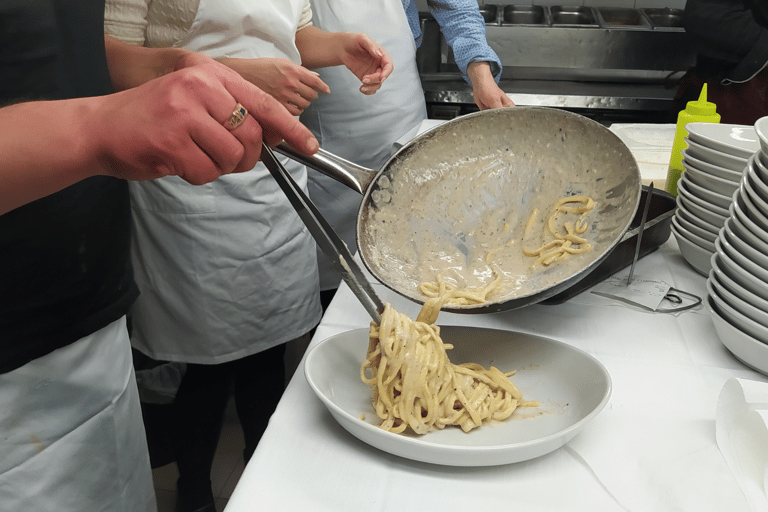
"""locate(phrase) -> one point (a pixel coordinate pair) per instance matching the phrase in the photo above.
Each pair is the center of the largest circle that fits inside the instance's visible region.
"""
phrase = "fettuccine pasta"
(416, 386)
(563, 244)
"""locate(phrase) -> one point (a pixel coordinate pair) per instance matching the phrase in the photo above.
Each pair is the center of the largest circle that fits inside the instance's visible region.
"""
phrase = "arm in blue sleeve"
(464, 30)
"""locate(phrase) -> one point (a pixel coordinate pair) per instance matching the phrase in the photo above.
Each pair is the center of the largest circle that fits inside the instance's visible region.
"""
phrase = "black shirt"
(64, 259)
(730, 36)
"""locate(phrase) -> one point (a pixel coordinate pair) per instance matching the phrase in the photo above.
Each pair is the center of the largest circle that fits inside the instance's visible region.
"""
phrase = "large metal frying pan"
(458, 191)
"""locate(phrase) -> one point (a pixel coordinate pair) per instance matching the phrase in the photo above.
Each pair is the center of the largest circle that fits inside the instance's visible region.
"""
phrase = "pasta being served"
(416, 386)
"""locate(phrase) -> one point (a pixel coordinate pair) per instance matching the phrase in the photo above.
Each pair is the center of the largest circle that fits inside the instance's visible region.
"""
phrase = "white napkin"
(742, 436)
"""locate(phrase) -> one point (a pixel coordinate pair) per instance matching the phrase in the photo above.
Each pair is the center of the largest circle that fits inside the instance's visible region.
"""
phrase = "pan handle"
(354, 176)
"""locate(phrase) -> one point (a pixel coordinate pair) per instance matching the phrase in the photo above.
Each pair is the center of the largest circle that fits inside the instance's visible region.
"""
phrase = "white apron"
(225, 269)
(71, 434)
(352, 125)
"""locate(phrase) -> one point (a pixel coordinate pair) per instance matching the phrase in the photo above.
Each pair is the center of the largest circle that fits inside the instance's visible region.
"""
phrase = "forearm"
(318, 48)
(46, 147)
(131, 66)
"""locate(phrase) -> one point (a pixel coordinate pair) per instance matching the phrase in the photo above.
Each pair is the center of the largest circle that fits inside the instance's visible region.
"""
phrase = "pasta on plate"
(416, 386)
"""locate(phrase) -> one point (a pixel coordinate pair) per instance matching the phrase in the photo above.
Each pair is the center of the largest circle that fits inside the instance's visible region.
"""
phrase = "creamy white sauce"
(450, 205)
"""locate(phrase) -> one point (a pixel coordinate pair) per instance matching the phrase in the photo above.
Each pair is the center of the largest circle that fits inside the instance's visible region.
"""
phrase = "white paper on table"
(645, 292)
(742, 436)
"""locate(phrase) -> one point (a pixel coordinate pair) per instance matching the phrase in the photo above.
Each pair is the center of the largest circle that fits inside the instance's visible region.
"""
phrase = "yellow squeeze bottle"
(700, 111)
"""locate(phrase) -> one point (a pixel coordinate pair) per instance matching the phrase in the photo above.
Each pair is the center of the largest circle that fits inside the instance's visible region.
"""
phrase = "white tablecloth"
(652, 448)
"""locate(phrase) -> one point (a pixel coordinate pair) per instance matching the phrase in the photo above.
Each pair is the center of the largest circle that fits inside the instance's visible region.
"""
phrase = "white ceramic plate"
(744, 220)
(709, 181)
(571, 386)
(705, 194)
(757, 190)
(744, 233)
(735, 318)
(722, 244)
(697, 256)
(693, 237)
(747, 205)
(715, 157)
(744, 347)
(708, 168)
(721, 262)
(683, 224)
(737, 139)
(743, 246)
(757, 171)
(721, 278)
(738, 303)
(761, 128)
(682, 213)
(705, 214)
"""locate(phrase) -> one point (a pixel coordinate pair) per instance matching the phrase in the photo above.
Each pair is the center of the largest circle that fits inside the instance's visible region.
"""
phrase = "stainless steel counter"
(593, 60)
(450, 95)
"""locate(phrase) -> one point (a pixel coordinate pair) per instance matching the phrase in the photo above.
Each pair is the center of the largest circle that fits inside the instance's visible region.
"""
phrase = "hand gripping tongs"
(330, 243)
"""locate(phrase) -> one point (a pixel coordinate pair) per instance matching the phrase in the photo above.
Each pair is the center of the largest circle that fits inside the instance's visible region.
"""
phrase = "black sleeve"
(734, 32)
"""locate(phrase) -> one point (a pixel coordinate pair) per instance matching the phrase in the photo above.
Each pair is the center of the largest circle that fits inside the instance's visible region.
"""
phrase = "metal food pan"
(524, 15)
(622, 18)
(490, 14)
(658, 227)
(665, 18)
(573, 16)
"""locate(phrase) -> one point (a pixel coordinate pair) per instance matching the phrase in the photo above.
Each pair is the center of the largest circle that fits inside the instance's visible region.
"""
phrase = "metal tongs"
(328, 240)
(640, 233)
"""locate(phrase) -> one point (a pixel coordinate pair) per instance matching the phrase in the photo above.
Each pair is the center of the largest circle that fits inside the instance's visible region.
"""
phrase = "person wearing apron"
(363, 129)
(227, 271)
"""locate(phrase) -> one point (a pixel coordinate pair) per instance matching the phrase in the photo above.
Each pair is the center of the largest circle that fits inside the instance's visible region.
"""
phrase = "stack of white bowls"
(738, 280)
(714, 162)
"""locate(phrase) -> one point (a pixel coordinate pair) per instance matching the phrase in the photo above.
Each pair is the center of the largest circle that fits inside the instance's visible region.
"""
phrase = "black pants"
(189, 428)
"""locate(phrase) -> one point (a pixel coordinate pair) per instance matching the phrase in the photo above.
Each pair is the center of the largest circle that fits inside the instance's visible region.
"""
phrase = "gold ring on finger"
(237, 117)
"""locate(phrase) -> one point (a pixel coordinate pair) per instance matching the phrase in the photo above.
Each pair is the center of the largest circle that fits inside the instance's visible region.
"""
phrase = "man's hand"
(175, 125)
(485, 91)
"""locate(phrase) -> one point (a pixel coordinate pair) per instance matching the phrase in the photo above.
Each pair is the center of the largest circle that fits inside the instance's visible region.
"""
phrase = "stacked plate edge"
(714, 160)
(737, 282)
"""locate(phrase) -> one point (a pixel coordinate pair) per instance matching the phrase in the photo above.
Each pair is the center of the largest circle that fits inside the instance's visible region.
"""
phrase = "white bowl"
(699, 240)
(743, 246)
(761, 128)
(697, 256)
(738, 274)
(747, 349)
(738, 213)
(723, 245)
(737, 303)
(759, 172)
(744, 233)
(682, 188)
(736, 139)
(683, 224)
(751, 191)
(715, 157)
(746, 203)
(710, 181)
(708, 168)
(703, 213)
(571, 386)
(753, 299)
(682, 213)
(705, 194)
(736, 318)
